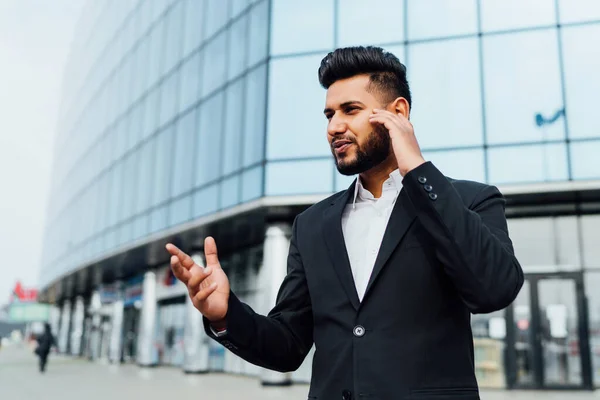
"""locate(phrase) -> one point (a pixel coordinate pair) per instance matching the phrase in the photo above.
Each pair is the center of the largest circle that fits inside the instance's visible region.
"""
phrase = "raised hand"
(208, 287)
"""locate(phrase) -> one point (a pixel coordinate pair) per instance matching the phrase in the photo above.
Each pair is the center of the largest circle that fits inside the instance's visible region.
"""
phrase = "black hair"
(387, 74)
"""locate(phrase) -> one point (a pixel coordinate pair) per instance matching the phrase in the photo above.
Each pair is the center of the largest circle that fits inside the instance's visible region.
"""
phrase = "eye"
(352, 110)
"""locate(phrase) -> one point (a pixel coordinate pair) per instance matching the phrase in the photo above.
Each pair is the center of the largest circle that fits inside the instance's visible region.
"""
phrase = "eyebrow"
(344, 105)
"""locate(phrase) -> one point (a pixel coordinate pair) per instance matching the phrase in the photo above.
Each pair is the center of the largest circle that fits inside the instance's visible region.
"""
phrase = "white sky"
(35, 36)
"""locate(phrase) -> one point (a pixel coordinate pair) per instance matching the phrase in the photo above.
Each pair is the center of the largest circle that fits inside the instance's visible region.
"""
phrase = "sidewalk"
(76, 379)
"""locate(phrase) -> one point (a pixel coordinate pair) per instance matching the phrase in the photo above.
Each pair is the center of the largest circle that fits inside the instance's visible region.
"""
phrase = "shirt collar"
(394, 182)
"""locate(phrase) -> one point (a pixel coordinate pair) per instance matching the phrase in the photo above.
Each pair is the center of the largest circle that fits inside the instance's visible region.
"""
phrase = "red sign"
(23, 295)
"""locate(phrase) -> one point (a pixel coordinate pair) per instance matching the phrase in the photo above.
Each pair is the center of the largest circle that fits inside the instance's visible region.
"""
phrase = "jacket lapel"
(336, 246)
(401, 219)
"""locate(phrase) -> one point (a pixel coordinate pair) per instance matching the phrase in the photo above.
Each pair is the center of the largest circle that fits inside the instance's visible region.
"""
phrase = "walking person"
(45, 342)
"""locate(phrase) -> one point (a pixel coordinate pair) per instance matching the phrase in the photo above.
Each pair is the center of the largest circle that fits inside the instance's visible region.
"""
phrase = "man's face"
(356, 144)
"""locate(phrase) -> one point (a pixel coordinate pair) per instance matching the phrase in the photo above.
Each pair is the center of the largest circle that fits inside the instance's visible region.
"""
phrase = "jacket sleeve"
(280, 340)
(471, 242)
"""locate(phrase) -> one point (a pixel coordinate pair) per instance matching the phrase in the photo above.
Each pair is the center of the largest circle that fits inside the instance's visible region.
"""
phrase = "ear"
(400, 106)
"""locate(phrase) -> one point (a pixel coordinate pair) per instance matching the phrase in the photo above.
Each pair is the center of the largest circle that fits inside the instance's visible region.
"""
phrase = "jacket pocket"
(445, 393)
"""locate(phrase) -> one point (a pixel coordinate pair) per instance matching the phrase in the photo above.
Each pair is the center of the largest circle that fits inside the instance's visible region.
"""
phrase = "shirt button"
(428, 188)
(433, 196)
(359, 331)
(422, 179)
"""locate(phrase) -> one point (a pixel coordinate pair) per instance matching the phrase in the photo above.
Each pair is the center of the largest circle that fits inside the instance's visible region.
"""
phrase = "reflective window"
(512, 14)
(158, 219)
(161, 182)
(144, 177)
(254, 116)
(180, 211)
(252, 183)
(592, 283)
(230, 191)
(216, 16)
(450, 18)
(173, 42)
(238, 43)
(182, 159)
(151, 113)
(114, 201)
(258, 34)
(356, 22)
(533, 241)
(214, 71)
(190, 81)
(156, 53)
(128, 187)
(459, 164)
(531, 163)
(298, 177)
(301, 26)
(590, 232)
(582, 86)
(232, 140)
(194, 17)
(140, 227)
(523, 97)
(120, 139)
(296, 125)
(206, 200)
(446, 95)
(168, 98)
(237, 6)
(578, 11)
(208, 147)
(584, 159)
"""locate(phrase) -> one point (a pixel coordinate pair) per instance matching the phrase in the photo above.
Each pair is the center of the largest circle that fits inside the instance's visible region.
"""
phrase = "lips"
(341, 146)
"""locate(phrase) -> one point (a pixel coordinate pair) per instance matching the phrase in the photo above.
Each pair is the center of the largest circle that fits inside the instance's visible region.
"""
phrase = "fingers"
(198, 275)
(210, 252)
(179, 271)
(205, 292)
(185, 260)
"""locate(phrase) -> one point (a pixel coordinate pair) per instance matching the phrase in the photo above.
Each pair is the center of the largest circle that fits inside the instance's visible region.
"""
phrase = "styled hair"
(387, 75)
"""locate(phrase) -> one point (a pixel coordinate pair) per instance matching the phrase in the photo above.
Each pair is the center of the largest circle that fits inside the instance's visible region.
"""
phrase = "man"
(382, 277)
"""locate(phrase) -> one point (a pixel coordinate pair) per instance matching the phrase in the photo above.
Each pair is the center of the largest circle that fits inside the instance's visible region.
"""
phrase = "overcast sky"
(35, 37)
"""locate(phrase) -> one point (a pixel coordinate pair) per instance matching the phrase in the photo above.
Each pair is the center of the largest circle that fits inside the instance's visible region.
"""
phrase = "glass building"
(184, 118)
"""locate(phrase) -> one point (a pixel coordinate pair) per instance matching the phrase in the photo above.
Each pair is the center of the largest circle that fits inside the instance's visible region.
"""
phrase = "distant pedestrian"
(45, 343)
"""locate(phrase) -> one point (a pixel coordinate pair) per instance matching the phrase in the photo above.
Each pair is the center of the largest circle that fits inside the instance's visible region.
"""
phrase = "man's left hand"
(405, 145)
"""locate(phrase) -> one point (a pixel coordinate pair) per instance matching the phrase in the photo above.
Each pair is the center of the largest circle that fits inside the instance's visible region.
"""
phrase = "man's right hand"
(208, 287)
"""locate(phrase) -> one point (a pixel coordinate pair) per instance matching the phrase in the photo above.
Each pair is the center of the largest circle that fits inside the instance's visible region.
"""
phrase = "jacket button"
(433, 196)
(422, 179)
(346, 395)
(428, 188)
(359, 331)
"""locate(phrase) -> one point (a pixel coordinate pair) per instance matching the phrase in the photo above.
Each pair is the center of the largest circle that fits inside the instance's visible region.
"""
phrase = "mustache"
(345, 138)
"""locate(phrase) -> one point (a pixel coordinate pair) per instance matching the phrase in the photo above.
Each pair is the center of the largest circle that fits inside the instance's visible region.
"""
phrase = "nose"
(336, 127)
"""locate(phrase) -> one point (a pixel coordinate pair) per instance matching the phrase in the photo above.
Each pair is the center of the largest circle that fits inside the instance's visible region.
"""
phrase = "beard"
(372, 153)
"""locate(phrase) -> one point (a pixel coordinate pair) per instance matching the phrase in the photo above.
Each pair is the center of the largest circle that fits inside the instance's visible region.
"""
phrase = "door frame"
(537, 351)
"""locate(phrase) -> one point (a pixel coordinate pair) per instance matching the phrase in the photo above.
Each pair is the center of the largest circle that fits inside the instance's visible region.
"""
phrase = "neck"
(373, 179)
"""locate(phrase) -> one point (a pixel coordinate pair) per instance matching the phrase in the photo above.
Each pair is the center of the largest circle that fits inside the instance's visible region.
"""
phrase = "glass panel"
(254, 116)
(161, 183)
(533, 241)
(194, 18)
(450, 18)
(299, 177)
(579, 11)
(230, 191)
(590, 232)
(168, 98)
(214, 70)
(528, 163)
(259, 34)
(489, 334)
(581, 66)
(140, 227)
(301, 26)
(559, 332)
(296, 126)
(144, 176)
(524, 336)
(459, 164)
(216, 16)
(151, 112)
(158, 219)
(513, 14)
(208, 147)
(567, 244)
(180, 211)
(252, 183)
(237, 6)
(437, 84)
(156, 52)
(183, 161)
(238, 43)
(523, 63)
(232, 145)
(206, 200)
(584, 159)
(173, 40)
(592, 284)
(190, 82)
(356, 17)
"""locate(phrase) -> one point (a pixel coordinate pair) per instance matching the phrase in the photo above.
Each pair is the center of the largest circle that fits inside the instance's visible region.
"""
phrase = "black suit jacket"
(445, 254)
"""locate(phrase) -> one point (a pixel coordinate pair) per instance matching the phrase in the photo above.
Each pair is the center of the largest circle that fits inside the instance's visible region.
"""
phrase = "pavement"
(76, 379)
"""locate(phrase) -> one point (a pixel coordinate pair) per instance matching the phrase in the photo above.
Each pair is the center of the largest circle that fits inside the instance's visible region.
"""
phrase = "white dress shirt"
(364, 222)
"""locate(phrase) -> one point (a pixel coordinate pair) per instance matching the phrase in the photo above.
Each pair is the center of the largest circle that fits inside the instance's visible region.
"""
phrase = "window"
(581, 66)
(214, 71)
(128, 186)
(180, 211)
(238, 43)
(258, 34)
(208, 147)
(156, 53)
(590, 232)
(151, 112)
(182, 159)
(531, 163)
(356, 22)
(205, 201)
(254, 116)
(459, 164)
(230, 191)
(584, 159)
(252, 183)
(497, 15)
(296, 125)
(172, 49)
(162, 163)
(446, 92)
(522, 80)
(578, 10)
(232, 140)
(189, 83)
(441, 18)
(194, 22)
(216, 16)
(299, 177)
(158, 219)
(301, 26)
(168, 98)
(237, 6)
(114, 202)
(144, 182)
(140, 227)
